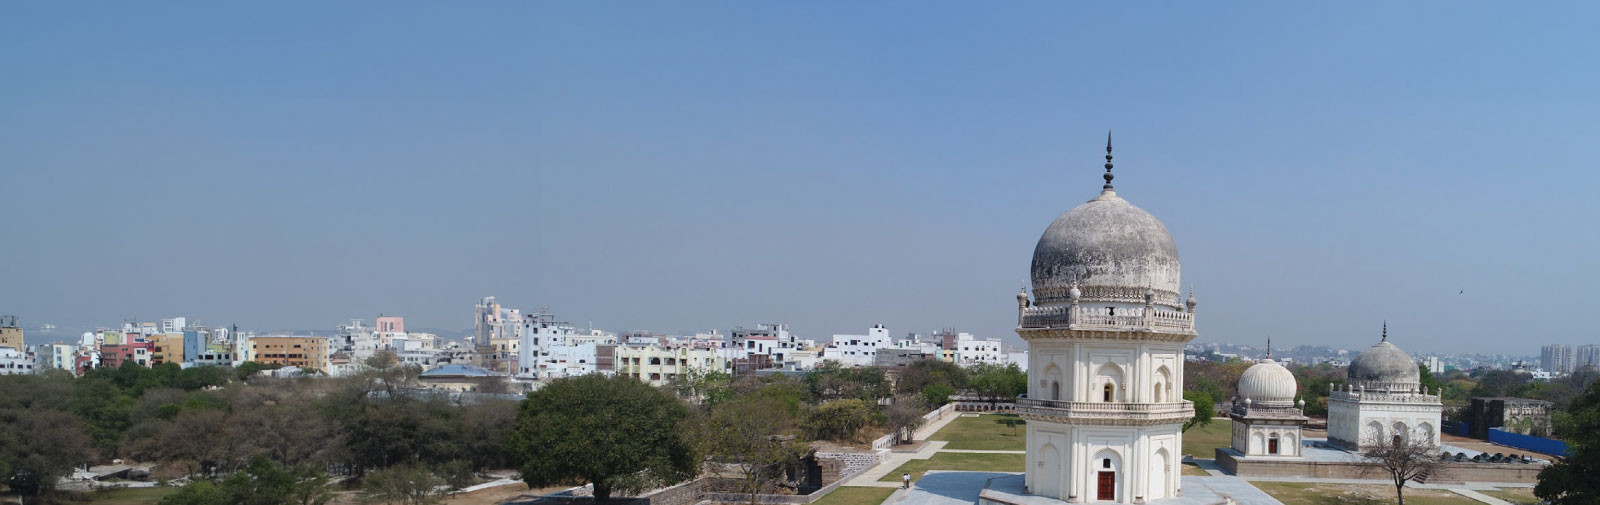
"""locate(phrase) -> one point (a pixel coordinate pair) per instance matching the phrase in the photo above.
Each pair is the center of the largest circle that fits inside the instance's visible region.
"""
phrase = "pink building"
(391, 324)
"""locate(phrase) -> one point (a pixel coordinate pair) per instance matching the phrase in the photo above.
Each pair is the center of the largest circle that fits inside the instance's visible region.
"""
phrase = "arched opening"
(1425, 433)
(1055, 390)
(1256, 442)
(1402, 433)
(1272, 444)
(1110, 379)
(1106, 477)
(1291, 444)
(1374, 434)
(1048, 481)
(1160, 472)
(1053, 378)
(1163, 384)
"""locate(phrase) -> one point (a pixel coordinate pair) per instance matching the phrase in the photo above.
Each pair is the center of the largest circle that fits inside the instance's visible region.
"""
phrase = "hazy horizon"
(1322, 168)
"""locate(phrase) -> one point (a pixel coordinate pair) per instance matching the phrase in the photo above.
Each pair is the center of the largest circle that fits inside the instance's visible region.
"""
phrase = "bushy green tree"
(936, 395)
(409, 484)
(839, 420)
(997, 384)
(756, 435)
(38, 447)
(833, 381)
(1202, 409)
(261, 482)
(616, 433)
(1572, 481)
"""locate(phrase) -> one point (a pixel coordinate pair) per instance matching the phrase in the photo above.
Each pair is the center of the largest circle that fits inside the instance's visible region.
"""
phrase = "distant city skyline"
(695, 166)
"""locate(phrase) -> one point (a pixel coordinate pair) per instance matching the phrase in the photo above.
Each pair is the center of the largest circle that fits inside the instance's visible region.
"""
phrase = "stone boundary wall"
(1450, 474)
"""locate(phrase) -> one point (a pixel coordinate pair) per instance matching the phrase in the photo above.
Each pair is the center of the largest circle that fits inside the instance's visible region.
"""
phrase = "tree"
(832, 381)
(905, 416)
(410, 484)
(919, 375)
(38, 447)
(262, 482)
(996, 384)
(756, 436)
(1011, 422)
(1572, 481)
(839, 420)
(613, 432)
(936, 395)
(1402, 460)
(1203, 408)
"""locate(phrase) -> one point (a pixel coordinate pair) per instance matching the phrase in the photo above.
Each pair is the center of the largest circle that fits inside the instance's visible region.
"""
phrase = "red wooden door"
(1108, 486)
(1272, 446)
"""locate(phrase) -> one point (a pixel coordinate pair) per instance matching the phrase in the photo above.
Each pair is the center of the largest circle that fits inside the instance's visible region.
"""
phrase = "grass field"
(1515, 495)
(1201, 441)
(1310, 493)
(983, 433)
(127, 496)
(849, 495)
(1195, 470)
(976, 462)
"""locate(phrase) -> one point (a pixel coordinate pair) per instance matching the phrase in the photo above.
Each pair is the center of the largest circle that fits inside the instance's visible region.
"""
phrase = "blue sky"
(681, 166)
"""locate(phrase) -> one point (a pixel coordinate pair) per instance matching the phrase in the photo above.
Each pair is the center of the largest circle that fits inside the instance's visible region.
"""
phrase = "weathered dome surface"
(1384, 363)
(1268, 381)
(1112, 249)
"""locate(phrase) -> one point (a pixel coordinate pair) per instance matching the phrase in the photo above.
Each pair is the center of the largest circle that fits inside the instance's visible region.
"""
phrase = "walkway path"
(870, 477)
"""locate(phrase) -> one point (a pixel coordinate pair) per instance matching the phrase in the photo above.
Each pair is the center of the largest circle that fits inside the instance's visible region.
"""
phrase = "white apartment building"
(174, 325)
(659, 366)
(551, 350)
(15, 362)
(858, 350)
(58, 356)
(972, 351)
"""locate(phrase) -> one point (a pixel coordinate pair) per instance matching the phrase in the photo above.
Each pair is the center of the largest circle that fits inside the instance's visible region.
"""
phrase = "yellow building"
(165, 348)
(658, 366)
(303, 352)
(10, 333)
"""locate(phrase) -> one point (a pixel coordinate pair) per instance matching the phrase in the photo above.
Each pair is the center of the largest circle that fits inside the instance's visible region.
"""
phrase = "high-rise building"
(1556, 358)
(1586, 355)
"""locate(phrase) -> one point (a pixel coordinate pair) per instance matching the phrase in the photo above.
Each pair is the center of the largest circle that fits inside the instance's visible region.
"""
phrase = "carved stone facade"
(1105, 333)
(1383, 401)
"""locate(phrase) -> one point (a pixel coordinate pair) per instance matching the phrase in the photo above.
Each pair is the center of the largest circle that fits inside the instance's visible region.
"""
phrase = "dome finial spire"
(1385, 332)
(1108, 175)
(1269, 346)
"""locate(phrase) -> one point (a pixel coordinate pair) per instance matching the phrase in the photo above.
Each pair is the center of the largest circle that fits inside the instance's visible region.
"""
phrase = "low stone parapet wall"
(1451, 472)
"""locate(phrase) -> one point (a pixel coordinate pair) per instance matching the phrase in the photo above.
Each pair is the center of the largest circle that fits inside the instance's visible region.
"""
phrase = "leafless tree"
(1402, 459)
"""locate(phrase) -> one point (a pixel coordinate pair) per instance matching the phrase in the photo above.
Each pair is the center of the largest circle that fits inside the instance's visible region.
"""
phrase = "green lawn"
(1201, 441)
(127, 496)
(1193, 469)
(1515, 495)
(970, 461)
(1312, 493)
(851, 495)
(984, 433)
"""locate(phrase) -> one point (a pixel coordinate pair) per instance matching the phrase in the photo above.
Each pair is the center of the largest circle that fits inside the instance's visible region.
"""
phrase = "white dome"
(1268, 381)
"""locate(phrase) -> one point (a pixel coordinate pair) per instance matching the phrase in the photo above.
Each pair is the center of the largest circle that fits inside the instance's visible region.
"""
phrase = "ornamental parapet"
(1372, 396)
(1105, 413)
(1077, 317)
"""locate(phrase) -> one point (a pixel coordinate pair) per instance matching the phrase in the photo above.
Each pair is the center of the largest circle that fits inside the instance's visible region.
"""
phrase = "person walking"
(905, 481)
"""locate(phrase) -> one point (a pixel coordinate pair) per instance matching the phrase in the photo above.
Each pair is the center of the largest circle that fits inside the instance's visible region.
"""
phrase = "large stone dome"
(1111, 249)
(1266, 382)
(1384, 364)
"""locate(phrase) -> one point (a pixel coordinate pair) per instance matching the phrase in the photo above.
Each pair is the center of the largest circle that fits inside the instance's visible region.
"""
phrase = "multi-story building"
(659, 366)
(166, 348)
(290, 350)
(858, 350)
(174, 325)
(1556, 358)
(550, 349)
(14, 361)
(1587, 355)
(973, 351)
(58, 356)
(129, 348)
(10, 333)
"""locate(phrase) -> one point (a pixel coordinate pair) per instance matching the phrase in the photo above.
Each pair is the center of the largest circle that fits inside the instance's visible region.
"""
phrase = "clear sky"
(683, 165)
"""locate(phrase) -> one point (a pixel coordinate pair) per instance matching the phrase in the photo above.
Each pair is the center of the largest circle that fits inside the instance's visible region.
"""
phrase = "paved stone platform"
(1008, 490)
